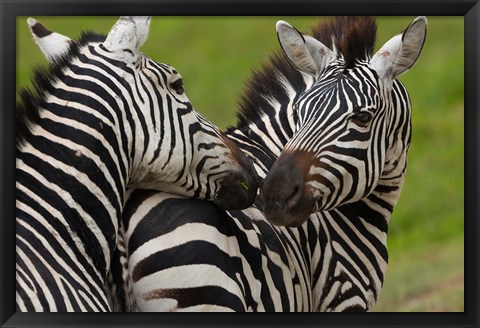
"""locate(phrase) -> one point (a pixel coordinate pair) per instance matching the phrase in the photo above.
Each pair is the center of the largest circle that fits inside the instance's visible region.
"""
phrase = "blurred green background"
(215, 56)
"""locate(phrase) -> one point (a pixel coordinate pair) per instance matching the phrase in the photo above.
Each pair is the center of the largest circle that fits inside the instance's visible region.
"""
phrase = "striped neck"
(73, 158)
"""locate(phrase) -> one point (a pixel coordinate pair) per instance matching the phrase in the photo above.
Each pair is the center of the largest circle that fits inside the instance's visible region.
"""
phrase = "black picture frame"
(9, 9)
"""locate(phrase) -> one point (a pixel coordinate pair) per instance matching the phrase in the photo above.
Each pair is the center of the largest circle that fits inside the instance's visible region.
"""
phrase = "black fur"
(354, 36)
(262, 85)
(40, 31)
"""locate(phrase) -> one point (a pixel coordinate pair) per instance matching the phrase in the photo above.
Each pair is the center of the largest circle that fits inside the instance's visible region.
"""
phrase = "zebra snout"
(238, 190)
(285, 199)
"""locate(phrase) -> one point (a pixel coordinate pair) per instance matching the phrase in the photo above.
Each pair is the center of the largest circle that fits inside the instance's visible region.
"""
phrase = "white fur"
(304, 52)
(401, 52)
(128, 33)
(53, 45)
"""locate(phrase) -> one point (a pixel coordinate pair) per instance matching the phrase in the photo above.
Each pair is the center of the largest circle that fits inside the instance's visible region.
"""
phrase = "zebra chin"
(280, 215)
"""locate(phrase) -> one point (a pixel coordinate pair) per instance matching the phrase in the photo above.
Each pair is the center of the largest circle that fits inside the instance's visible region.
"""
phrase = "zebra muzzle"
(239, 188)
(286, 201)
(237, 191)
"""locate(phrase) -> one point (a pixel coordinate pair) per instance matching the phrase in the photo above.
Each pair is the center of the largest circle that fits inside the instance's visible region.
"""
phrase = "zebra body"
(105, 117)
(321, 245)
(204, 259)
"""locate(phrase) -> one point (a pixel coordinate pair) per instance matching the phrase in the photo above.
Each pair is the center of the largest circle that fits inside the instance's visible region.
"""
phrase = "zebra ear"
(128, 33)
(401, 52)
(52, 44)
(304, 52)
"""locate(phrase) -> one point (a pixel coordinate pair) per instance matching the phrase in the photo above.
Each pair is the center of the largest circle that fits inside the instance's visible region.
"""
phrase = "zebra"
(339, 123)
(104, 117)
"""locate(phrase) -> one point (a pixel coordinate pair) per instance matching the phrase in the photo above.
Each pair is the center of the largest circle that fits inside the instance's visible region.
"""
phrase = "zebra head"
(352, 125)
(166, 144)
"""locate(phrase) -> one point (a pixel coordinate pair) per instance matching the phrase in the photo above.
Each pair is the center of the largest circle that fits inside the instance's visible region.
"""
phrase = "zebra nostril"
(294, 197)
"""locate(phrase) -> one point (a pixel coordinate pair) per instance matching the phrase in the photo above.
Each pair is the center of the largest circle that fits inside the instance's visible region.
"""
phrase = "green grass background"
(215, 55)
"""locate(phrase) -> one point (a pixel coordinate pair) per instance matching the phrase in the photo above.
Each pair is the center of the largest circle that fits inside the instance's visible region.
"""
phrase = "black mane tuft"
(263, 84)
(354, 36)
(32, 99)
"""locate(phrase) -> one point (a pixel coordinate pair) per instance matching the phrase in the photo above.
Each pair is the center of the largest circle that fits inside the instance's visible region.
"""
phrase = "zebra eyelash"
(362, 118)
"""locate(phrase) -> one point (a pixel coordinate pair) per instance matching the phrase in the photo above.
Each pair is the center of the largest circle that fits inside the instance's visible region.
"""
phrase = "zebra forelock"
(353, 37)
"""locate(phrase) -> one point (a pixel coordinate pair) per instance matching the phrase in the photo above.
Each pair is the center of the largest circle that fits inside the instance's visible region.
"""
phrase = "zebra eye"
(178, 86)
(362, 118)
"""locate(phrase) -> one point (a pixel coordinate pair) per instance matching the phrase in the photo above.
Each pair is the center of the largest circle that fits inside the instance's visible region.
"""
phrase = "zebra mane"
(353, 38)
(31, 99)
(266, 84)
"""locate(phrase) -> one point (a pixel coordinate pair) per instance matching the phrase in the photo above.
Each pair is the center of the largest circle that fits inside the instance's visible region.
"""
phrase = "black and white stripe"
(322, 244)
(104, 117)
